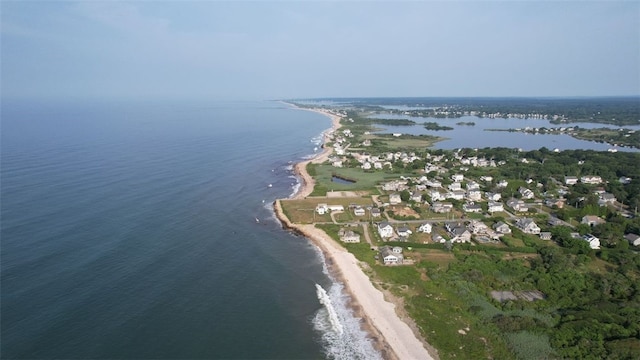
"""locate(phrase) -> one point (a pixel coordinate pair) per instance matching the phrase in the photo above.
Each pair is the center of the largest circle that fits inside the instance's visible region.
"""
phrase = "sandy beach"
(394, 338)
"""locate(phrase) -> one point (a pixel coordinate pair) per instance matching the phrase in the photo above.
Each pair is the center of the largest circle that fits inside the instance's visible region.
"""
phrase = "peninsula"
(475, 253)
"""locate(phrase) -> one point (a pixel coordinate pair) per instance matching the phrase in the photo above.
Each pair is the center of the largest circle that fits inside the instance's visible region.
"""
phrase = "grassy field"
(303, 211)
(365, 181)
(404, 142)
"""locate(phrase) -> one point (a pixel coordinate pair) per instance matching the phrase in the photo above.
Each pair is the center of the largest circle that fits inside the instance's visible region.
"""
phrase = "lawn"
(364, 181)
(303, 211)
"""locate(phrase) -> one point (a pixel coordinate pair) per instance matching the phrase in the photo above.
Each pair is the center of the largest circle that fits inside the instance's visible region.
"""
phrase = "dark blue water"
(128, 231)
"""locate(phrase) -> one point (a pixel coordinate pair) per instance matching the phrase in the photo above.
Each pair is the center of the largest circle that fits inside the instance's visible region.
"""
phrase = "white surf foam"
(341, 334)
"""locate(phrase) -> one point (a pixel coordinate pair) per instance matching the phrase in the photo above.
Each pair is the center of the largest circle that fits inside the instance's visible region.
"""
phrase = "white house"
(528, 226)
(366, 165)
(322, 209)
(570, 180)
(457, 177)
(472, 185)
(394, 199)
(472, 208)
(486, 178)
(517, 205)
(591, 179)
(389, 257)
(359, 211)
(502, 228)
(404, 231)
(606, 199)
(459, 234)
(375, 212)
(349, 236)
(493, 196)
(474, 195)
(503, 183)
(456, 194)
(425, 228)
(438, 239)
(436, 195)
(416, 196)
(478, 227)
(592, 220)
(593, 241)
(336, 207)
(385, 230)
(441, 207)
(495, 206)
(455, 186)
(526, 193)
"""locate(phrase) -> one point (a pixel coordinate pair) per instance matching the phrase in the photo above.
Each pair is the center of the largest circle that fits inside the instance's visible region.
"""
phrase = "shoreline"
(392, 336)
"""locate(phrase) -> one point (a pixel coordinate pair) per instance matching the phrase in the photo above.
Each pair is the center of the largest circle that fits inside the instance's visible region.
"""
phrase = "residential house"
(359, 211)
(437, 238)
(322, 209)
(336, 207)
(554, 221)
(459, 234)
(394, 199)
(502, 228)
(592, 220)
(385, 230)
(591, 179)
(528, 226)
(472, 208)
(570, 180)
(517, 205)
(478, 227)
(503, 183)
(545, 235)
(593, 241)
(474, 195)
(389, 257)
(455, 186)
(375, 212)
(457, 177)
(349, 236)
(606, 199)
(472, 185)
(425, 228)
(633, 239)
(441, 207)
(625, 180)
(403, 231)
(486, 178)
(436, 195)
(416, 196)
(397, 250)
(559, 203)
(433, 183)
(526, 193)
(493, 196)
(456, 194)
(495, 206)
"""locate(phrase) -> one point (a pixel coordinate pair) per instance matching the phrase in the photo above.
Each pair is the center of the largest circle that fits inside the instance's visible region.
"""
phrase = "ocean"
(145, 230)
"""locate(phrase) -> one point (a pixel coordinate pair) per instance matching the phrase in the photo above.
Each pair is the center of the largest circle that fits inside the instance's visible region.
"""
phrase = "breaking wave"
(340, 331)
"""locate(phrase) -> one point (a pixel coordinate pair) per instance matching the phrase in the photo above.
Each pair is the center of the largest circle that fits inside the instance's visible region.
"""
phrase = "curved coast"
(393, 337)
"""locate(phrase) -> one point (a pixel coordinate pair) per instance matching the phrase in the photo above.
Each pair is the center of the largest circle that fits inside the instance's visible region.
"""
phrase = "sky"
(294, 49)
